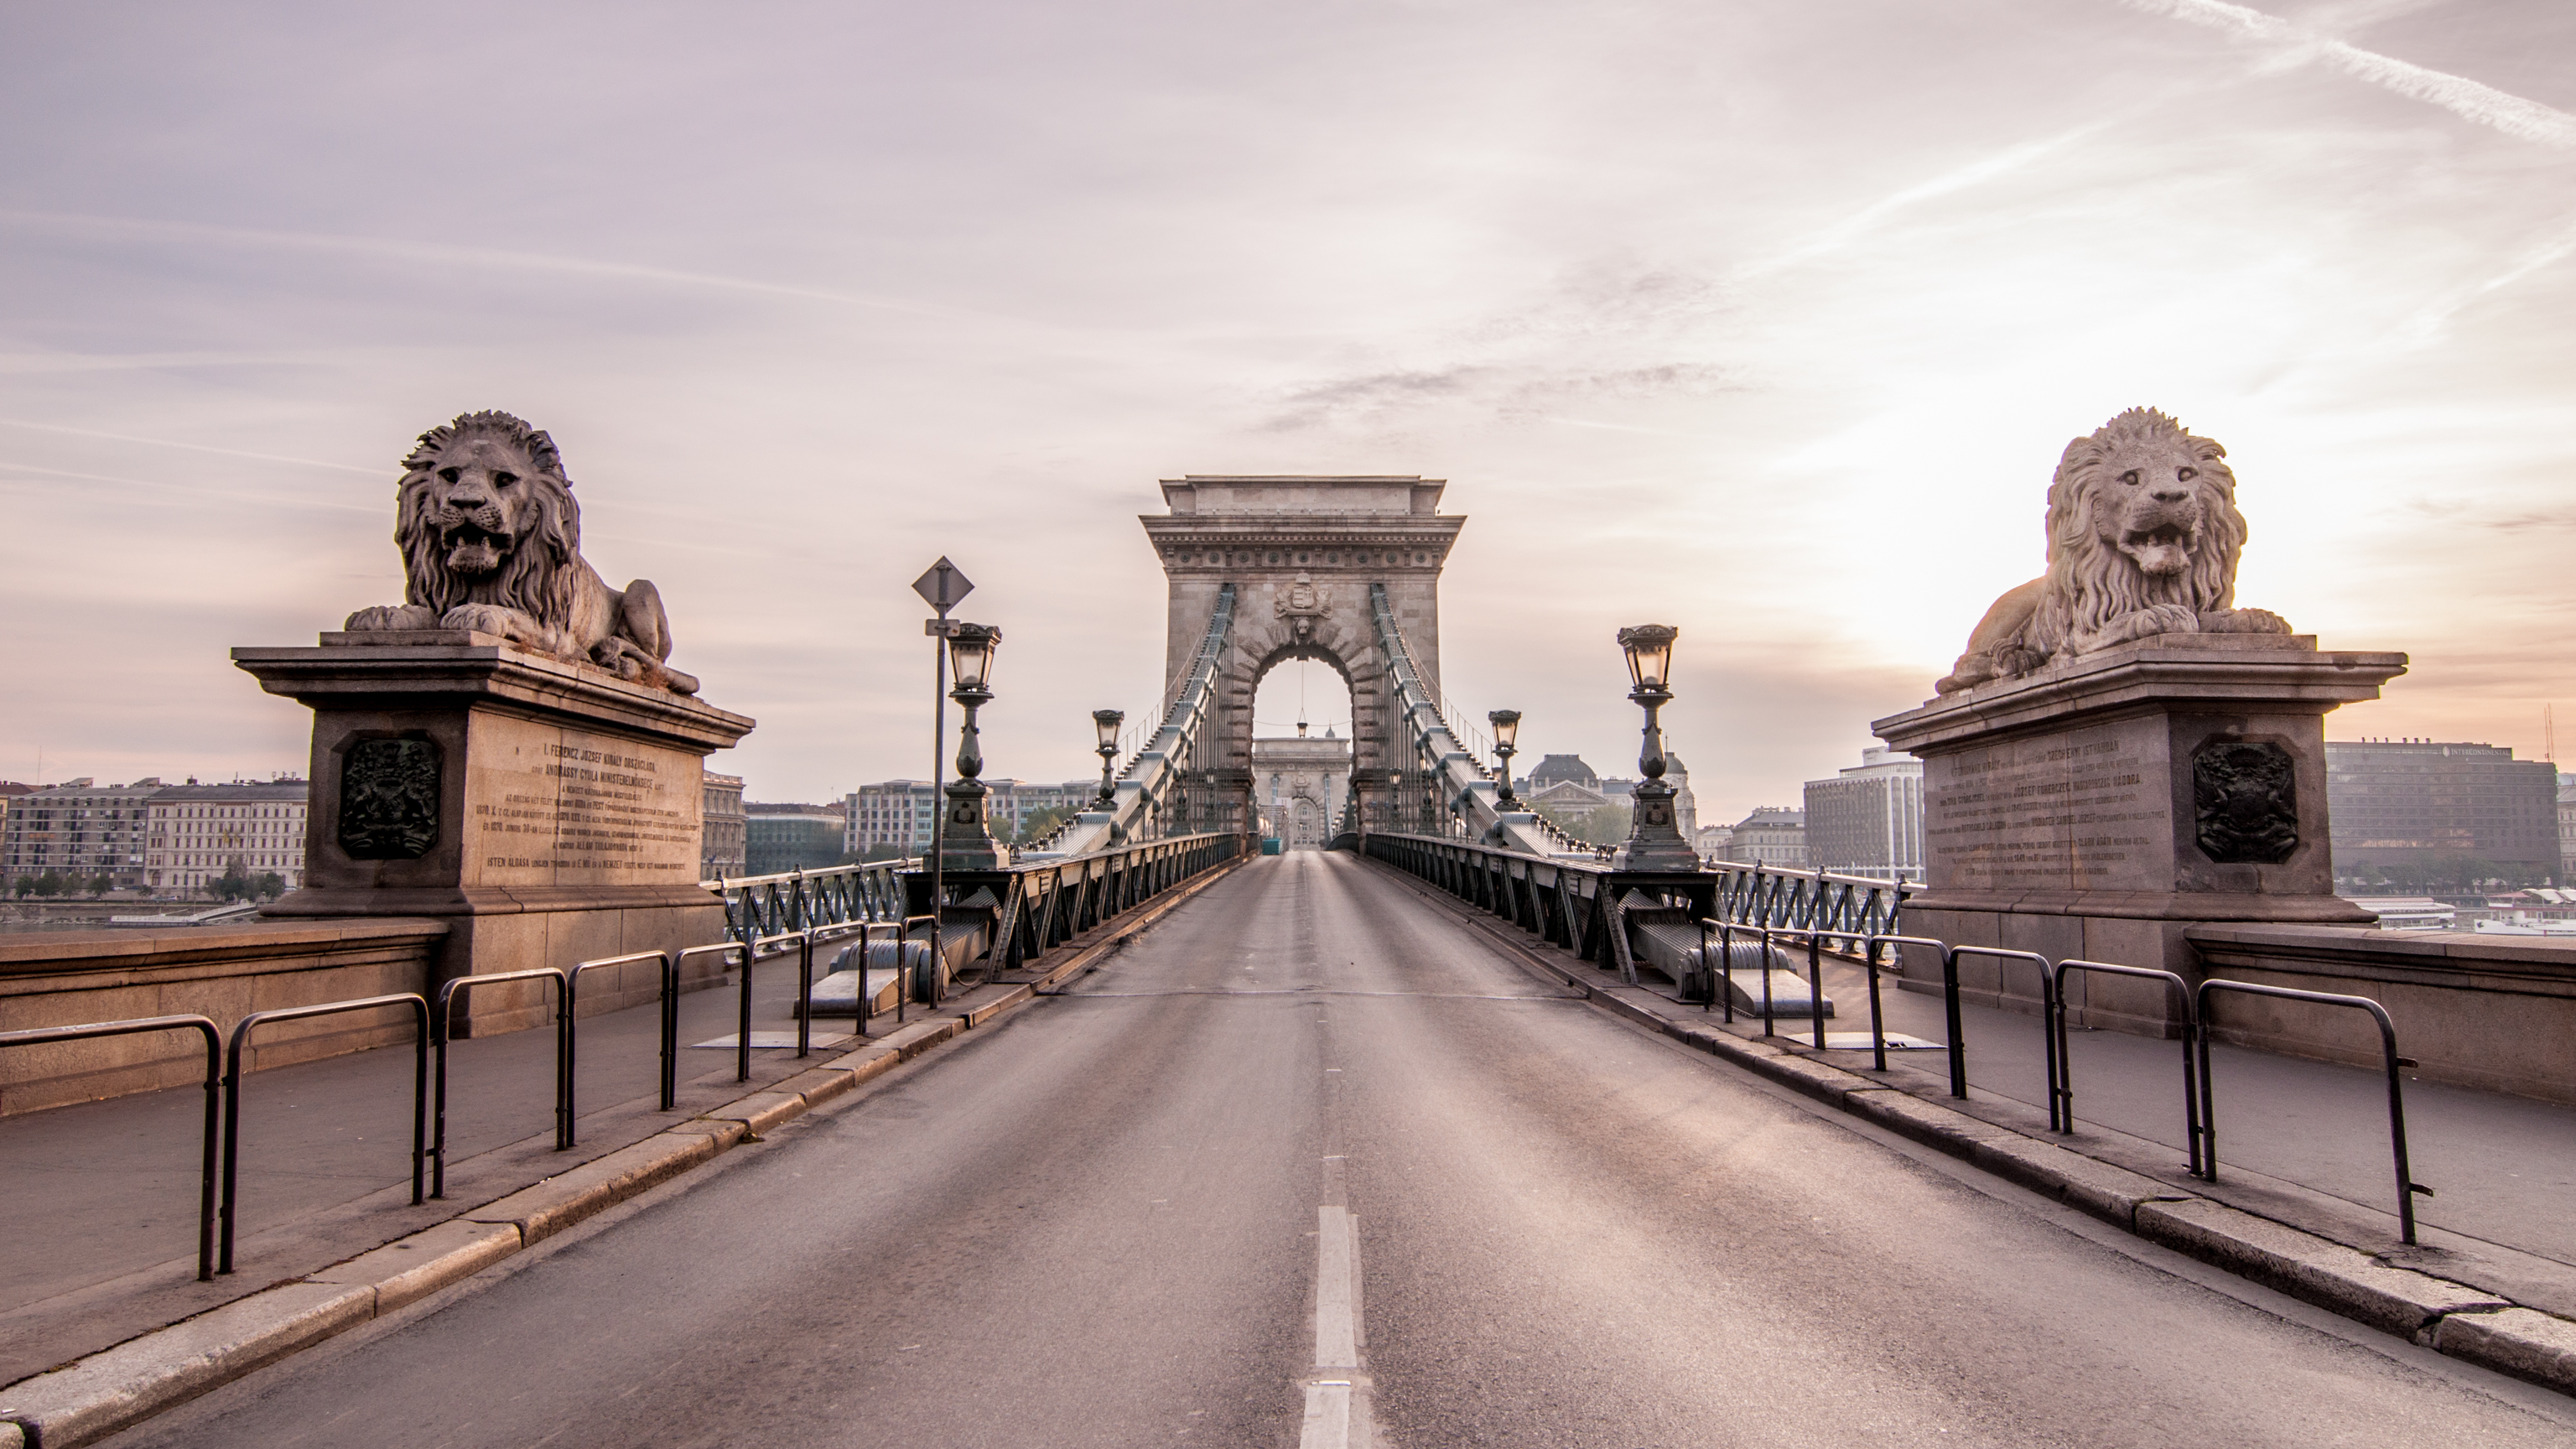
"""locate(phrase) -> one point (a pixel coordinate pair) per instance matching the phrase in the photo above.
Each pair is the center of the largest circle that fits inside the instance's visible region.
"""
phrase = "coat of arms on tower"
(1302, 605)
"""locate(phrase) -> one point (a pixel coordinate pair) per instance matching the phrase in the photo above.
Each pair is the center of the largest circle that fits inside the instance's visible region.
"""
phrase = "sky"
(1764, 320)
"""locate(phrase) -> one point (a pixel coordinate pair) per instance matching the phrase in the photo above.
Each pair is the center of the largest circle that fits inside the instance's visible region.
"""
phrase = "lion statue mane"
(491, 541)
(2143, 537)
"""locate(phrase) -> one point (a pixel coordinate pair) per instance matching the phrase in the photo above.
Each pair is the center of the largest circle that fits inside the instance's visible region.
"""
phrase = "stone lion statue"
(491, 541)
(2143, 536)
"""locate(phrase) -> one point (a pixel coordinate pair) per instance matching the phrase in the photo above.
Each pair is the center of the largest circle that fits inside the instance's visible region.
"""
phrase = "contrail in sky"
(191, 447)
(2511, 114)
(490, 258)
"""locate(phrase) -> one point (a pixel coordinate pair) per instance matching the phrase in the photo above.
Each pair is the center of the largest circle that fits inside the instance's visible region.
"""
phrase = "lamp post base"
(1654, 837)
(967, 843)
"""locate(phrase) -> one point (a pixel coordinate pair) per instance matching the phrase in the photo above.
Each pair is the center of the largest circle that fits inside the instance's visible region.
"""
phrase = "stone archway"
(1302, 553)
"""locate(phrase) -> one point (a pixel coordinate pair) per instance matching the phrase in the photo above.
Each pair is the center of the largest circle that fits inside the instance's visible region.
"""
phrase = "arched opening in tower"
(1301, 752)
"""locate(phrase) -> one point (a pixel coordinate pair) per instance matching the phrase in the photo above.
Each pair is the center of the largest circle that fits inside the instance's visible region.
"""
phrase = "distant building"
(1772, 835)
(1014, 803)
(899, 814)
(2567, 830)
(1714, 841)
(1685, 804)
(1868, 820)
(198, 834)
(721, 840)
(1569, 798)
(1555, 769)
(779, 838)
(80, 831)
(2422, 804)
(11, 790)
(1300, 785)
(896, 814)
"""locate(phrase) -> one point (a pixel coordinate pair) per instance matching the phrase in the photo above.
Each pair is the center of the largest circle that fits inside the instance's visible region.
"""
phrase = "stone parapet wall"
(62, 978)
(2493, 1013)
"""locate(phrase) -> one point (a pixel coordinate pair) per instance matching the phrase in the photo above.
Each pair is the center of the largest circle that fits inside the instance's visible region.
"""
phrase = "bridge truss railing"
(805, 900)
(1447, 791)
(1583, 905)
(1153, 796)
(1039, 905)
(1846, 909)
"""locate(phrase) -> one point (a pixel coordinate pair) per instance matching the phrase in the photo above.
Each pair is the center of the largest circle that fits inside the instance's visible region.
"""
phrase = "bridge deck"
(1312, 1143)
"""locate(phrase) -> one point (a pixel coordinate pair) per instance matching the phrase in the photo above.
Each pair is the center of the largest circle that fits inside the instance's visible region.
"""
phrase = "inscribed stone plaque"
(2245, 802)
(2082, 810)
(564, 807)
(389, 799)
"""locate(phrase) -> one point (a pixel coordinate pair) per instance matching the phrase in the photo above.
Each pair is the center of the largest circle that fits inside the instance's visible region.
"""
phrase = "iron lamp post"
(1507, 735)
(1107, 721)
(1654, 836)
(969, 838)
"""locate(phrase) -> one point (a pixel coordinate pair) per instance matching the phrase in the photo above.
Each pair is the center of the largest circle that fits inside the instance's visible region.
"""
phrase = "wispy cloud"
(1949, 183)
(2513, 115)
(194, 447)
(193, 490)
(442, 254)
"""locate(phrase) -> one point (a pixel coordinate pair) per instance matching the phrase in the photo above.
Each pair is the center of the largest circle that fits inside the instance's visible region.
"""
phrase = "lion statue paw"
(2243, 621)
(392, 616)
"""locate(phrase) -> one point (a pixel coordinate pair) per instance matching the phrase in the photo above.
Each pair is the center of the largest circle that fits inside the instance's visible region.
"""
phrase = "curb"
(117, 1388)
(2451, 1318)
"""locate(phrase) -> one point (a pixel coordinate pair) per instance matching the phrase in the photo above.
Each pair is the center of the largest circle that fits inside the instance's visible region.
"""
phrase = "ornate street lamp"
(1507, 735)
(969, 839)
(1654, 837)
(1107, 721)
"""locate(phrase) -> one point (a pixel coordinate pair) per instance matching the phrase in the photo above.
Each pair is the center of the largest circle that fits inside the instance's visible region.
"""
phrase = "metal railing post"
(2047, 1013)
(572, 1027)
(2407, 1187)
(84, 1031)
(2190, 1031)
(442, 1024)
(232, 1096)
(1878, 1032)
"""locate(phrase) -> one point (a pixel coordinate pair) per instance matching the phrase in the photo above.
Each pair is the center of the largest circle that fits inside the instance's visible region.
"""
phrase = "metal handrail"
(938, 966)
(1878, 1031)
(232, 1094)
(2407, 1186)
(2190, 1030)
(831, 931)
(1721, 977)
(743, 1051)
(2047, 1013)
(32, 1036)
(441, 1025)
(1815, 978)
(670, 1023)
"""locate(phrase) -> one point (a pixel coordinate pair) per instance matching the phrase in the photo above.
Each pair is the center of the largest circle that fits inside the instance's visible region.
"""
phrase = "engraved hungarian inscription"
(2074, 813)
(602, 810)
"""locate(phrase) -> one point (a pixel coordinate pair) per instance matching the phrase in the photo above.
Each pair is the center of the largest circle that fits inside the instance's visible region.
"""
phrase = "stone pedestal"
(2099, 808)
(550, 812)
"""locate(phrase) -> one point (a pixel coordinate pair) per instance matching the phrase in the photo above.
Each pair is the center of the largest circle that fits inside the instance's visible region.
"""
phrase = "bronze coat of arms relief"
(389, 793)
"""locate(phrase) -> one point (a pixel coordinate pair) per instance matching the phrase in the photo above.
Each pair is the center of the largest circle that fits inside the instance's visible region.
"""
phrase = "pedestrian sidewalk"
(101, 1212)
(103, 1324)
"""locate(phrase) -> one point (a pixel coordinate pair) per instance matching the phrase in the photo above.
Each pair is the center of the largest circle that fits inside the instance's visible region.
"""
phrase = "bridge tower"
(1302, 554)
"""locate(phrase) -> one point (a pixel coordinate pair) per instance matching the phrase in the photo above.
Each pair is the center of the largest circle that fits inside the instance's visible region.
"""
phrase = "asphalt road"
(1110, 1220)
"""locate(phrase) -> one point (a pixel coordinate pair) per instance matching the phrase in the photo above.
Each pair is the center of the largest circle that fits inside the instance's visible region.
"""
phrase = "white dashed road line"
(1337, 1352)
